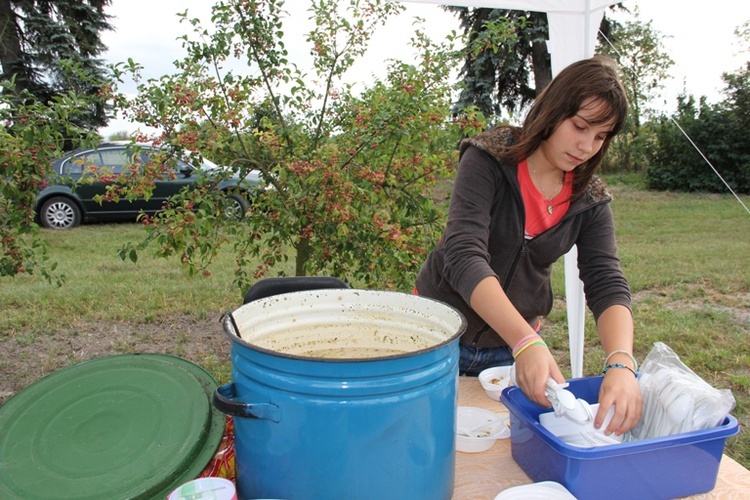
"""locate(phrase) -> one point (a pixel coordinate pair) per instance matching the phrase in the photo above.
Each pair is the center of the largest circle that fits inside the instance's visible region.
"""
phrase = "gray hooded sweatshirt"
(484, 236)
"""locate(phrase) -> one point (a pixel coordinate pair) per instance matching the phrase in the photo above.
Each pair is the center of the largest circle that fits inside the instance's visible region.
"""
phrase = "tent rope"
(671, 118)
(710, 164)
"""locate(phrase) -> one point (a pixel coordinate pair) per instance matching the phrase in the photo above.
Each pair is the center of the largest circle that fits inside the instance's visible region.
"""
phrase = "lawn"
(686, 256)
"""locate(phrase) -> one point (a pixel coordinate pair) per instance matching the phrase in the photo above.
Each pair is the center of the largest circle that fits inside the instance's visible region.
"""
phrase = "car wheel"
(60, 213)
(236, 207)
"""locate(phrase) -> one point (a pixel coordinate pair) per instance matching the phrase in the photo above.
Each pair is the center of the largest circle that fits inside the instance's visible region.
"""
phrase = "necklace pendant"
(549, 208)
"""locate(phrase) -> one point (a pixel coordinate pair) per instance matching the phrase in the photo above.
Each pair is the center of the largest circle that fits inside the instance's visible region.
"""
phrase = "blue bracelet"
(619, 365)
(635, 362)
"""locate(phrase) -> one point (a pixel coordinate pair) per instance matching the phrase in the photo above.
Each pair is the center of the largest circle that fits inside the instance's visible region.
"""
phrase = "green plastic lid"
(124, 426)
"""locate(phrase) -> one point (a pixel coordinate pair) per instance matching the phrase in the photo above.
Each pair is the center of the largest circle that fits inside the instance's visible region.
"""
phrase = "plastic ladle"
(563, 401)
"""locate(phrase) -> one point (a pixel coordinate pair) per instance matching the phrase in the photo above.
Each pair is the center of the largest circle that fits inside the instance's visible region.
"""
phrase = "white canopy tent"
(573, 25)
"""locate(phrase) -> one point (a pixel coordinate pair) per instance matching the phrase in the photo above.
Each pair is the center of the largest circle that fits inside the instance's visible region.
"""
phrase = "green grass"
(99, 286)
(686, 256)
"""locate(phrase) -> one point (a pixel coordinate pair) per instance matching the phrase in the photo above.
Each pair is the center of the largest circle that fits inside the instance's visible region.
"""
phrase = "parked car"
(71, 198)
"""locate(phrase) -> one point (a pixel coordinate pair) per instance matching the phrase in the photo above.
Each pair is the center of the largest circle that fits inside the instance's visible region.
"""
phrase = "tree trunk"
(303, 254)
(11, 55)
(542, 66)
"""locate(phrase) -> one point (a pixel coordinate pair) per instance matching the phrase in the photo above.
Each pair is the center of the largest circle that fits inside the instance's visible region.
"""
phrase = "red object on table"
(222, 463)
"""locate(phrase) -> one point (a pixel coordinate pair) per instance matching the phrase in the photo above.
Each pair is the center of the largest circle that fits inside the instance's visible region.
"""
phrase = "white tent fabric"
(573, 25)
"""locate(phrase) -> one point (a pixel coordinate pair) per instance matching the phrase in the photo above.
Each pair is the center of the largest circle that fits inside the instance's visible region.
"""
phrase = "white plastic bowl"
(549, 490)
(213, 488)
(494, 380)
(470, 417)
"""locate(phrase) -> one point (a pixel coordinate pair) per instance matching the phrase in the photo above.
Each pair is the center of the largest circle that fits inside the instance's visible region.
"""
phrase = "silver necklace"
(548, 199)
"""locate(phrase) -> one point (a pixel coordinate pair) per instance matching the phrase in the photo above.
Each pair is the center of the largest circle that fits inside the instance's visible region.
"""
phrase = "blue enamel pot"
(343, 394)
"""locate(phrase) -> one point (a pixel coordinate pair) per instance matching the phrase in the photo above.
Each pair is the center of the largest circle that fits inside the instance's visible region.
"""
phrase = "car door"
(176, 175)
(92, 171)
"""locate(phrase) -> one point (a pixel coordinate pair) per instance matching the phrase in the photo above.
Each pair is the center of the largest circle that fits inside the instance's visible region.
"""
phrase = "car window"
(76, 165)
(112, 160)
(176, 166)
(115, 159)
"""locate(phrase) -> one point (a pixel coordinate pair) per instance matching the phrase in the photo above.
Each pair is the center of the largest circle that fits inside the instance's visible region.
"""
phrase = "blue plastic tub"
(662, 468)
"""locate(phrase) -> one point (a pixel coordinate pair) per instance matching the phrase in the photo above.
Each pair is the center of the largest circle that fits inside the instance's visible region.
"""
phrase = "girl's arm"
(535, 363)
(620, 386)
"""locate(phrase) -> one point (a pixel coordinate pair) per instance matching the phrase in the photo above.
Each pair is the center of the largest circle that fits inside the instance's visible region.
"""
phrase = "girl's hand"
(619, 388)
(533, 367)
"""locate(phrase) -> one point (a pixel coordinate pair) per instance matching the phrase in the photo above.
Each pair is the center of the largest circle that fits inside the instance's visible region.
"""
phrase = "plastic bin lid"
(123, 426)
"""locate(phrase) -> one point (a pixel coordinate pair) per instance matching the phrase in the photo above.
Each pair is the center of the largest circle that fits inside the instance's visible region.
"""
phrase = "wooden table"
(482, 476)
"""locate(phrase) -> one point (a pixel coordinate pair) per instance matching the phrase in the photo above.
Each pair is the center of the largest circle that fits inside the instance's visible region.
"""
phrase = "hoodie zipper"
(522, 251)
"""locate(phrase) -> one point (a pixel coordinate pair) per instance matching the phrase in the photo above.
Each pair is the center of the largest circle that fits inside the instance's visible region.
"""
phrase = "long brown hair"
(596, 78)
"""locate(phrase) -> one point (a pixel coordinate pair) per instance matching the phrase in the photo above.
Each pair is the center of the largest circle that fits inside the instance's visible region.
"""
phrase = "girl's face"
(576, 139)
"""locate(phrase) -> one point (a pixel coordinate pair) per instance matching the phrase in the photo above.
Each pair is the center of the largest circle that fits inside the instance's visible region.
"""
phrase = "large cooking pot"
(343, 394)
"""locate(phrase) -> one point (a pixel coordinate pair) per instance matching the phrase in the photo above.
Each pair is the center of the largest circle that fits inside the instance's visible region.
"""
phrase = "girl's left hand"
(619, 388)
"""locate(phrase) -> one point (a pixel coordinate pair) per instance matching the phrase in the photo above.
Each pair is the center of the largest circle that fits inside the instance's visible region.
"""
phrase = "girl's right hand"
(533, 367)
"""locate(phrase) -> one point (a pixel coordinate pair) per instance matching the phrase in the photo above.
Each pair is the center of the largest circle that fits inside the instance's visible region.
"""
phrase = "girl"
(521, 199)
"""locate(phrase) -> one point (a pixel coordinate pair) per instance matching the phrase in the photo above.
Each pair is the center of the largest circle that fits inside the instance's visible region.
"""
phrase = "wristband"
(527, 345)
(528, 338)
(525, 342)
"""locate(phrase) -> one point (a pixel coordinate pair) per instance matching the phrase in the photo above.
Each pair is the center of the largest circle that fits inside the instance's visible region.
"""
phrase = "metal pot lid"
(123, 426)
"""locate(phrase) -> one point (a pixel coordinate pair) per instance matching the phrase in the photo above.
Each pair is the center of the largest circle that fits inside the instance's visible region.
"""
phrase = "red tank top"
(540, 213)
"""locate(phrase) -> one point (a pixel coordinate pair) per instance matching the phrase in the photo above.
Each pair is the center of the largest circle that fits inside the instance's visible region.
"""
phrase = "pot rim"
(232, 330)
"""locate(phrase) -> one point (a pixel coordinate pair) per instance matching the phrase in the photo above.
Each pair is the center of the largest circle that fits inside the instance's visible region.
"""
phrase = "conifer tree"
(50, 47)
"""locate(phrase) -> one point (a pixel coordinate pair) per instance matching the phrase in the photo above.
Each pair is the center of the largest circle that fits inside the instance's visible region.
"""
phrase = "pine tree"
(507, 63)
(41, 40)
(498, 67)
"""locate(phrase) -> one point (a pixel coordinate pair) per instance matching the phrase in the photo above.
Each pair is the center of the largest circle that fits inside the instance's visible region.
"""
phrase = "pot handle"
(224, 401)
(286, 284)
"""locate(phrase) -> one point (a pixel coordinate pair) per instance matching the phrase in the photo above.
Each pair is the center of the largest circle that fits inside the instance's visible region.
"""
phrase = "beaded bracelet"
(635, 363)
(526, 346)
(619, 365)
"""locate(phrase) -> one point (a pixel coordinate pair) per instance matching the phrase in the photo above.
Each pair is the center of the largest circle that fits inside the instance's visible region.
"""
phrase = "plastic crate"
(660, 468)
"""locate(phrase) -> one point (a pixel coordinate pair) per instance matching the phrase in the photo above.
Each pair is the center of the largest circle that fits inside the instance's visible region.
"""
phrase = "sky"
(698, 36)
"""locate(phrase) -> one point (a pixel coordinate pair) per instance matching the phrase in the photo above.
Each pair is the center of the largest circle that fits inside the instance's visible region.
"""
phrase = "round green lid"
(123, 426)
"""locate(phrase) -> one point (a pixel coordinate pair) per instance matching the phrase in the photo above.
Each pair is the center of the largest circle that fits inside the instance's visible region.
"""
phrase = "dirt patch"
(736, 306)
(25, 360)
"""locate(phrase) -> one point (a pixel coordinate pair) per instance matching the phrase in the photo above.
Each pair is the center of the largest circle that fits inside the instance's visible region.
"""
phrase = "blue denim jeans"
(472, 360)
